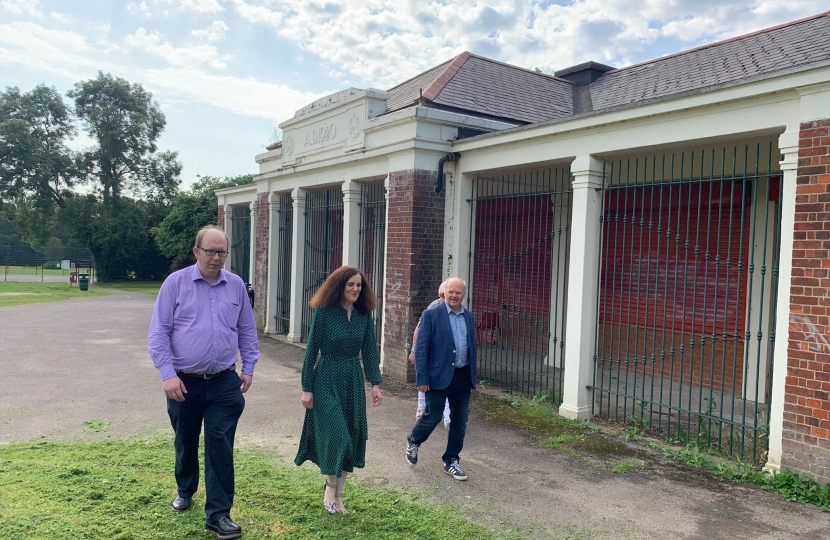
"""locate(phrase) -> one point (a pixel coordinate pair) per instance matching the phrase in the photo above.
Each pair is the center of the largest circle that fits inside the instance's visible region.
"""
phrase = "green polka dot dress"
(335, 430)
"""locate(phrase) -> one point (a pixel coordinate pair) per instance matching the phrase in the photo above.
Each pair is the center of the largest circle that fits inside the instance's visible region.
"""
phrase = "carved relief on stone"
(354, 127)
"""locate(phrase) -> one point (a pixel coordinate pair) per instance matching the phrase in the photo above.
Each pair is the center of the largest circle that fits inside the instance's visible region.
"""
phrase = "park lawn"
(14, 293)
(123, 489)
(133, 285)
(36, 271)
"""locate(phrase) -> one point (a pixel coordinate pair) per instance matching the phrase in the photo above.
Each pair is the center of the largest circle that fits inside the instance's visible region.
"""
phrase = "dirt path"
(76, 361)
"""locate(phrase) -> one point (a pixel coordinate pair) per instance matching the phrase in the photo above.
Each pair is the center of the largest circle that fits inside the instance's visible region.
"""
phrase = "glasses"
(212, 252)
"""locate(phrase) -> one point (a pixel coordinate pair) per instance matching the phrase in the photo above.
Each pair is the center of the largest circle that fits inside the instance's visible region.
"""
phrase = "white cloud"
(72, 56)
(21, 7)
(64, 18)
(141, 9)
(198, 6)
(215, 32)
(383, 42)
(196, 55)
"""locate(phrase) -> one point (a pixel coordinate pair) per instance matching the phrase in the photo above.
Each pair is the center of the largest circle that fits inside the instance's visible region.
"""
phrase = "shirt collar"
(449, 309)
(197, 275)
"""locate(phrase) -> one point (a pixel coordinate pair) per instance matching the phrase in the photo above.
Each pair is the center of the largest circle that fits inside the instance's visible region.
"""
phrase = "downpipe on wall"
(439, 182)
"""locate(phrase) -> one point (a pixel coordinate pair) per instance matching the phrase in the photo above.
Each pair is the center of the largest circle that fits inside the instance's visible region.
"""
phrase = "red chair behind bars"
(489, 320)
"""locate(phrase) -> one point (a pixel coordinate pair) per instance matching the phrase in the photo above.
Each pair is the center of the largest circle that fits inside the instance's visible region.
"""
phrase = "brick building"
(649, 243)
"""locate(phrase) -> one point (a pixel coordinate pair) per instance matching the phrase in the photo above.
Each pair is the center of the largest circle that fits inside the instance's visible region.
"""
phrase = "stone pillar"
(252, 248)
(261, 260)
(788, 146)
(271, 279)
(583, 272)
(351, 223)
(228, 232)
(297, 266)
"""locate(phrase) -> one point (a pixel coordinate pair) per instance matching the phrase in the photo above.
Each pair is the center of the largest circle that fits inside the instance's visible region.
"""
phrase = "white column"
(297, 266)
(788, 145)
(228, 232)
(385, 269)
(351, 223)
(459, 232)
(273, 257)
(583, 272)
(252, 249)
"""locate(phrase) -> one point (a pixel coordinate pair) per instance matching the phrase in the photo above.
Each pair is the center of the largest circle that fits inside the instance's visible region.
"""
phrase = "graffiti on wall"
(817, 340)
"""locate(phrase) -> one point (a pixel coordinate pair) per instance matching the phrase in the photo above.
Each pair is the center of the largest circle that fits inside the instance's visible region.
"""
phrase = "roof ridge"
(418, 75)
(533, 71)
(718, 43)
(446, 76)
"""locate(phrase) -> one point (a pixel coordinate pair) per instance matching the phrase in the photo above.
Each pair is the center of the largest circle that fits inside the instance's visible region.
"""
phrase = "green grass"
(36, 271)
(14, 293)
(122, 489)
(628, 465)
(135, 286)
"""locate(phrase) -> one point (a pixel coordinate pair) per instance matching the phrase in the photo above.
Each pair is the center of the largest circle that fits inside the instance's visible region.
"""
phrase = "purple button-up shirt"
(198, 327)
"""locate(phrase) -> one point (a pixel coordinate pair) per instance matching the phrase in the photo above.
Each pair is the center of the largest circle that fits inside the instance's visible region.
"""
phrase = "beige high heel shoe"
(331, 507)
(340, 496)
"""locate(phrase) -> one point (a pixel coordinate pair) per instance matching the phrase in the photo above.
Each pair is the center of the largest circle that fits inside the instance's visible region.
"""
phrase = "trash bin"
(83, 281)
(250, 289)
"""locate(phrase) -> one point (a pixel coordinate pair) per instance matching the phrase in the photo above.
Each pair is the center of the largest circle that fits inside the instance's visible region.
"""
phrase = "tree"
(189, 212)
(36, 167)
(125, 122)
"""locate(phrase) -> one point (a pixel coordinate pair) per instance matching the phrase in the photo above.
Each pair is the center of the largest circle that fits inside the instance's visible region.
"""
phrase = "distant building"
(649, 244)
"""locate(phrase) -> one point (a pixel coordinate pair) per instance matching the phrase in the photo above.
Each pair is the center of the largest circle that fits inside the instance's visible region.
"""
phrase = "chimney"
(582, 75)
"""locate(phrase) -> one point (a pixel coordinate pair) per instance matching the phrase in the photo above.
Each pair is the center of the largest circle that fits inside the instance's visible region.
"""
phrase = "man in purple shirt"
(201, 319)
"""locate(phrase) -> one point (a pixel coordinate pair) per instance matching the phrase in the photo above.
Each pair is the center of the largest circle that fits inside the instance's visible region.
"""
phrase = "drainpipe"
(439, 182)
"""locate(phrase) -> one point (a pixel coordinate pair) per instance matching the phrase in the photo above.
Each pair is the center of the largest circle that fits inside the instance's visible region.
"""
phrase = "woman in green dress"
(335, 428)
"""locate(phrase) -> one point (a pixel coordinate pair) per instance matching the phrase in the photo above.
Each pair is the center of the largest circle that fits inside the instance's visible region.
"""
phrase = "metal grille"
(241, 242)
(285, 222)
(520, 233)
(373, 243)
(323, 244)
(685, 326)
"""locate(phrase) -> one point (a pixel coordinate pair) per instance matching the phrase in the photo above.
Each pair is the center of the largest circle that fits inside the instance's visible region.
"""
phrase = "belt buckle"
(208, 376)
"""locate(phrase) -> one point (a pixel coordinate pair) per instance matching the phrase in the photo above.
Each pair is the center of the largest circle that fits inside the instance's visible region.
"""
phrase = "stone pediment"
(332, 124)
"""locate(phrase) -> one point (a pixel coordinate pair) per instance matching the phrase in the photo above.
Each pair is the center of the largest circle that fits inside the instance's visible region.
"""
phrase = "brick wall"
(261, 260)
(414, 244)
(220, 217)
(806, 435)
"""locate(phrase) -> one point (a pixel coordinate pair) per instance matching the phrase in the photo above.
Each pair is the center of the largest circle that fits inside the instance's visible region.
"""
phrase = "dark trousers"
(458, 395)
(219, 402)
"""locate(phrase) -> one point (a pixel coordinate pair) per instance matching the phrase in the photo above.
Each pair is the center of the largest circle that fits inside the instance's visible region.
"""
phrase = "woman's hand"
(308, 400)
(377, 397)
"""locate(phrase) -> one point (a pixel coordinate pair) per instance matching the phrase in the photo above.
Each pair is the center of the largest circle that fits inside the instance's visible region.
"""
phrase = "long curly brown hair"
(330, 292)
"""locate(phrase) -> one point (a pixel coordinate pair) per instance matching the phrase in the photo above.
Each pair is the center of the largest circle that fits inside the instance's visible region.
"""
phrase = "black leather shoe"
(181, 504)
(223, 528)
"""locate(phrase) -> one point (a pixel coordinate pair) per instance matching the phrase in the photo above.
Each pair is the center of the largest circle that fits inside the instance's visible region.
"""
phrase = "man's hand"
(308, 400)
(174, 389)
(412, 357)
(377, 397)
(424, 388)
(247, 381)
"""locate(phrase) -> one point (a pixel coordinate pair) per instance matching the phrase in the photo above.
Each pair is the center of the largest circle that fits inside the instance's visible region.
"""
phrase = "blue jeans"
(458, 396)
(219, 403)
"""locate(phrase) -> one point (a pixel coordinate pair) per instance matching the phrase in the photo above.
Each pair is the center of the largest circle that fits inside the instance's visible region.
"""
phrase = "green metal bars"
(373, 243)
(519, 238)
(323, 250)
(241, 242)
(285, 242)
(685, 333)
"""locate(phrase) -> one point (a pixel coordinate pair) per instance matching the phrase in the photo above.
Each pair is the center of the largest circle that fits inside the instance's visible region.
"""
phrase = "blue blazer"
(435, 349)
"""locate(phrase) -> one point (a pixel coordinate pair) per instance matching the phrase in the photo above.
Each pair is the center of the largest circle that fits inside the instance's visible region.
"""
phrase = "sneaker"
(454, 469)
(412, 452)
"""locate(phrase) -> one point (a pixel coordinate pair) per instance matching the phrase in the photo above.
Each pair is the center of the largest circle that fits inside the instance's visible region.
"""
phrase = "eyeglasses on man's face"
(212, 252)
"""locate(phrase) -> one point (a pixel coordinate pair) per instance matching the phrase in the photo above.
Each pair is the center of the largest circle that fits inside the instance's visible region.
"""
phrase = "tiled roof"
(487, 87)
(408, 92)
(790, 45)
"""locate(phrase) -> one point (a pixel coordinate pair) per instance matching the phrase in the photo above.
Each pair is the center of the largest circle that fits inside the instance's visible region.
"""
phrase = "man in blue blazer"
(445, 369)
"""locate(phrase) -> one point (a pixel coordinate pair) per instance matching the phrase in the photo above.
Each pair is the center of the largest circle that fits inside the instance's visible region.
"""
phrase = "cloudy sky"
(226, 72)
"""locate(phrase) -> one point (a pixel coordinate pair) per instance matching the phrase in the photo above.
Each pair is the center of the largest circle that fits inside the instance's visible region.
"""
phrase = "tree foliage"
(125, 123)
(189, 212)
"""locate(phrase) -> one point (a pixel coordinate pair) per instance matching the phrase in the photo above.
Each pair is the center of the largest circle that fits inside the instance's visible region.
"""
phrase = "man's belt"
(205, 375)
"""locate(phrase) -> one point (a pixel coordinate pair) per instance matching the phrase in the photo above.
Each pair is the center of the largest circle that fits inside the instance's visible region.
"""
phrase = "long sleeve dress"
(335, 429)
